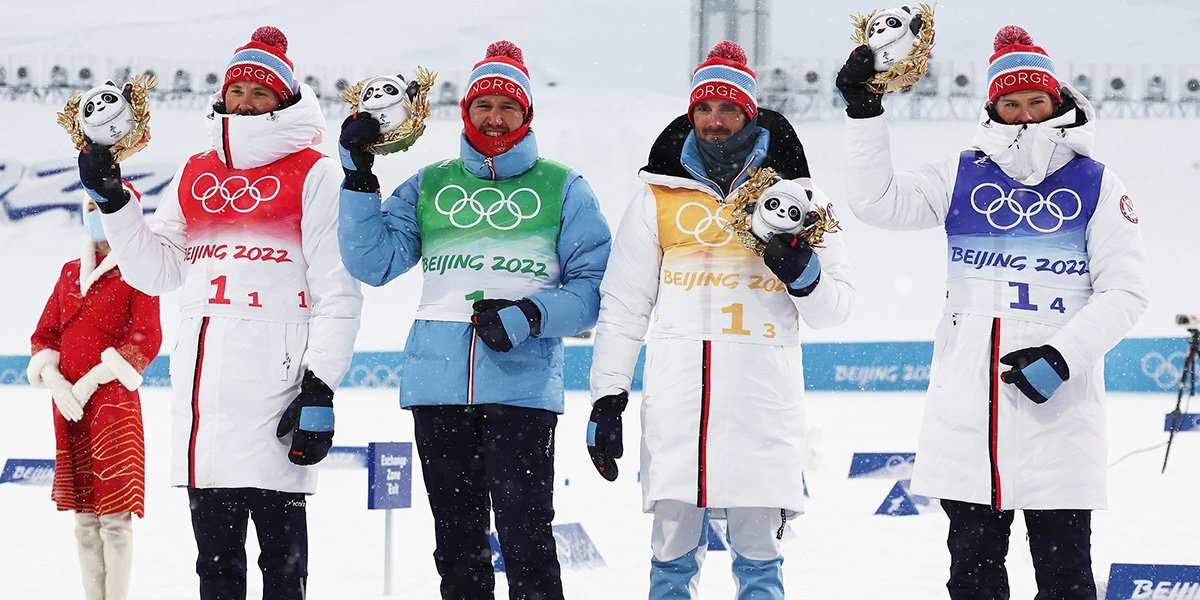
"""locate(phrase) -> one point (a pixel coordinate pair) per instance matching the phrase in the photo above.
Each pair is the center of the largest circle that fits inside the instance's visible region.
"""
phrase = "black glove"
(604, 443)
(309, 418)
(1037, 372)
(861, 103)
(102, 178)
(791, 259)
(359, 130)
(502, 324)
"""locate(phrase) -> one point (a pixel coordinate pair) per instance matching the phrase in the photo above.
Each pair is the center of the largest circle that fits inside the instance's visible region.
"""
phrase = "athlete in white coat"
(722, 415)
(1046, 273)
(247, 230)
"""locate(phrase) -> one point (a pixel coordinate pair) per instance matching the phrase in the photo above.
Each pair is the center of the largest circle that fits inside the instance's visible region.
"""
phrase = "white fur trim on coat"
(126, 374)
(89, 273)
(41, 360)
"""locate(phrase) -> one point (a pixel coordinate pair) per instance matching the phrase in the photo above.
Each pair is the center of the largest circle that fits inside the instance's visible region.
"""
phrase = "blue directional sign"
(389, 475)
(882, 465)
(1187, 422)
(28, 471)
(900, 502)
(1147, 582)
(572, 544)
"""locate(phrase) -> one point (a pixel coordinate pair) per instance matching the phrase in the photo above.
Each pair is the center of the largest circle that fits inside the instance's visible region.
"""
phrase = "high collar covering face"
(1032, 151)
(518, 159)
(247, 142)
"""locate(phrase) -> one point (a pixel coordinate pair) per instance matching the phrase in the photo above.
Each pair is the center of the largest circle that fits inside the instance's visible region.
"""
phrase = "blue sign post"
(389, 486)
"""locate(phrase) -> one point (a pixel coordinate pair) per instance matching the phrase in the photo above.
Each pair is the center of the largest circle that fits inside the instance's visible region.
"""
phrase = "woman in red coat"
(96, 335)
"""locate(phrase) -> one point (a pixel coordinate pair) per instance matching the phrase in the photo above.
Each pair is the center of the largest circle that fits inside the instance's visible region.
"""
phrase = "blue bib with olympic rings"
(1017, 250)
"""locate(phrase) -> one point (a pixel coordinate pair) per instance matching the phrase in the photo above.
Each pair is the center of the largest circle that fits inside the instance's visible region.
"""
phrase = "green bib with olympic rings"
(487, 239)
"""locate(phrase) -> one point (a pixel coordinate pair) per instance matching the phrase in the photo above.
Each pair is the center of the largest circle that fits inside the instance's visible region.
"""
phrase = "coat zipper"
(705, 396)
(196, 403)
(994, 412)
(225, 142)
(471, 370)
(491, 167)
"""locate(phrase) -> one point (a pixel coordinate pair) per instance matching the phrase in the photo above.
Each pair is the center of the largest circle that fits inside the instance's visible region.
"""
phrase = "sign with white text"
(1153, 582)
(389, 475)
(28, 471)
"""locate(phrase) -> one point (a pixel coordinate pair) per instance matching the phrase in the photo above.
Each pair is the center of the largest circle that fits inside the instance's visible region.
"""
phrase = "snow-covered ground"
(839, 549)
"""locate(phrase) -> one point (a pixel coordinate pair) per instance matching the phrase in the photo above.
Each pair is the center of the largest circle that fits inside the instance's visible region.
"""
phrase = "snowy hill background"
(621, 70)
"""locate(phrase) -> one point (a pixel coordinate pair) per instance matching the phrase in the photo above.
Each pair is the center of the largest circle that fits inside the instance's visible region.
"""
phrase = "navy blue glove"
(792, 260)
(359, 130)
(604, 435)
(101, 178)
(851, 82)
(1037, 372)
(502, 324)
(309, 418)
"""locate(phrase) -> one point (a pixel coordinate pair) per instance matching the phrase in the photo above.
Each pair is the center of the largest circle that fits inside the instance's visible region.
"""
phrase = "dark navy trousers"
(1060, 542)
(219, 522)
(499, 458)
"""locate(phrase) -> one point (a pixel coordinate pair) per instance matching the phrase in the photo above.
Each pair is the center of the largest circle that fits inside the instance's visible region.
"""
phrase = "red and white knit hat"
(1019, 65)
(724, 76)
(502, 71)
(264, 60)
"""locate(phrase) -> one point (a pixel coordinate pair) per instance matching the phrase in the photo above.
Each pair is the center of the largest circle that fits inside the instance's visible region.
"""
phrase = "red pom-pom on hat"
(729, 51)
(270, 36)
(1010, 35)
(505, 48)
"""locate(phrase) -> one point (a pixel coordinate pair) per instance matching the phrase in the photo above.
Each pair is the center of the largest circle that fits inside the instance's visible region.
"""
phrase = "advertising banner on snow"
(28, 471)
(1151, 582)
(1134, 365)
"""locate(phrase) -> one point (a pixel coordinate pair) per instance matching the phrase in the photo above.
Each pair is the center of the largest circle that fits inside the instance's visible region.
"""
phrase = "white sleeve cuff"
(41, 360)
(126, 374)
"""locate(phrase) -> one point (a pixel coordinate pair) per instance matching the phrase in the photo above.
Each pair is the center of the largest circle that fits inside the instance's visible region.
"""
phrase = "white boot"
(117, 532)
(91, 555)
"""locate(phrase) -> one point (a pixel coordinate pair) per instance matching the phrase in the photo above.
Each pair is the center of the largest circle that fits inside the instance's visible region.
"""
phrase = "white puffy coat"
(254, 317)
(982, 441)
(722, 410)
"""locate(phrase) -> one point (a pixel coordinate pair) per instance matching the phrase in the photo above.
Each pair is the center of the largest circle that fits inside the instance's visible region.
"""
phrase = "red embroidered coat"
(99, 459)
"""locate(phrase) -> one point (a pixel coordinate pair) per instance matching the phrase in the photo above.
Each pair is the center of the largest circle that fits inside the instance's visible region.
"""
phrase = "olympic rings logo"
(373, 376)
(899, 467)
(235, 192)
(1009, 211)
(508, 207)
(705, 221)
(1165, 371)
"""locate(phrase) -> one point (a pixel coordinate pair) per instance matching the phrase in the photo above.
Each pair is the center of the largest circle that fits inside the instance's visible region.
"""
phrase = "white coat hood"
(1030, 152)
(254, 141)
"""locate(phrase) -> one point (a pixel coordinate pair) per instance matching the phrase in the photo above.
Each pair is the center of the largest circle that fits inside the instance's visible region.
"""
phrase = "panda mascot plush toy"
(383, 98)
(785, 207)
(891, 35)
(105, 113)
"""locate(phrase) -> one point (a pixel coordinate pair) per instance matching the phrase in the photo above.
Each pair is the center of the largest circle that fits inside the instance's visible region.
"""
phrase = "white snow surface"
(839, 549)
